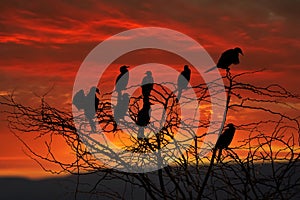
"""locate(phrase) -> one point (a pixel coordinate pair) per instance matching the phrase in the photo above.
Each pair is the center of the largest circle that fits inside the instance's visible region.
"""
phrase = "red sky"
(43, 43)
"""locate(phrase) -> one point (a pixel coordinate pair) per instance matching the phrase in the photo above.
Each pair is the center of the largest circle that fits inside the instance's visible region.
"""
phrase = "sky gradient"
(43, 43)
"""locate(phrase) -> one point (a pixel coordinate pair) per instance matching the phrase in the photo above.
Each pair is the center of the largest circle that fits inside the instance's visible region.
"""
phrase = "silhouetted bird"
(121, 108)
(228, 57)
(183, 80)
(143, 119)
(93, 94)
(225, 139)
(89, 104)
(122, 79)
(147, 85)
(79, 100)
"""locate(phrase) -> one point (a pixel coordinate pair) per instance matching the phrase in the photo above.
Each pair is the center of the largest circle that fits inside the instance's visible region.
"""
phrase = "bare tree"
(260, 164)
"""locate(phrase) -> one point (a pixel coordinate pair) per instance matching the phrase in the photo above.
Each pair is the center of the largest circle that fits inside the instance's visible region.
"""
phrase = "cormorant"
(147, 85)
(183, 80)
(228, 57)
(122, 79)
(225, 139)
(86, 103)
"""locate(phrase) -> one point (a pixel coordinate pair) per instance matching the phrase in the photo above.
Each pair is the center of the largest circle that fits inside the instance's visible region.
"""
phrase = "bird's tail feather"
(179, 95)
(210, 69)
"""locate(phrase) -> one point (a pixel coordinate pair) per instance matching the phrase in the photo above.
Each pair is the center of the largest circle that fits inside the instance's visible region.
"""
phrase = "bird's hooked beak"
(124, 68)
(241, 52)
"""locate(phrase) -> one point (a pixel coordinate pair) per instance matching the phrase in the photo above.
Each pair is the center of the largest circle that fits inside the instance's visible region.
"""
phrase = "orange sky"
(43, 43)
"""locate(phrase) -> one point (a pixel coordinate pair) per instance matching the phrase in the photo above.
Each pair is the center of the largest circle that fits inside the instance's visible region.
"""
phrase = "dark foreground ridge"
(113, 186)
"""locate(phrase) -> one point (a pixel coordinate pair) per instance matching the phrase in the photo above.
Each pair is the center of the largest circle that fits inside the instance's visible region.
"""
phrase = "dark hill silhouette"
(63, 188)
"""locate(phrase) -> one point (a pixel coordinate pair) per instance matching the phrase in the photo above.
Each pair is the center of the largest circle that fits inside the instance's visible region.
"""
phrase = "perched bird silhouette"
(147, 85)
(89, 104)
(122, 79)
(183, 80)
(93, 94)
(225, 139)
(79, 100)
(143, 119)
(121, 108)
(228, 57)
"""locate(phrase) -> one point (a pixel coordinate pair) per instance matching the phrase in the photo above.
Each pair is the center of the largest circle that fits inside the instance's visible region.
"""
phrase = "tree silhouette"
(262, 163)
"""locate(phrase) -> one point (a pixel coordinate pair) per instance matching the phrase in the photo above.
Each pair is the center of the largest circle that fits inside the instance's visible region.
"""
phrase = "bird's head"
(230, 125)
(239, 50)
(186, 67)
(93, 90)
(124, 69)
(149, 73)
